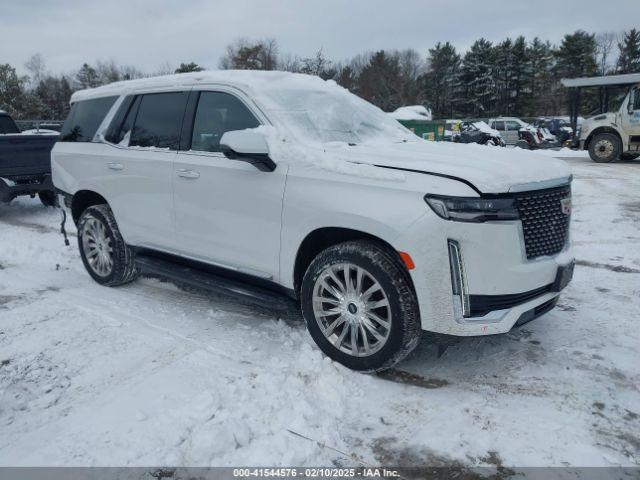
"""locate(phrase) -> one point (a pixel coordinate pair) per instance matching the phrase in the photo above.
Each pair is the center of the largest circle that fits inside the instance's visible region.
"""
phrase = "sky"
(149, 34)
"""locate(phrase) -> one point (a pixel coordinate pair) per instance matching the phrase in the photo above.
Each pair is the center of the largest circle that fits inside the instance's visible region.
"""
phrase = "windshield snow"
(334, 115)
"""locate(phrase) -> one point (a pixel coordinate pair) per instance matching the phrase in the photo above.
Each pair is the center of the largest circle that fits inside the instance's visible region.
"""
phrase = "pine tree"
(576, 55)
(380, 81)
(629, 47)
(439, 82)
(477, 78)
(189, 67)
(540, 79)
(11, 91)
(87, 77)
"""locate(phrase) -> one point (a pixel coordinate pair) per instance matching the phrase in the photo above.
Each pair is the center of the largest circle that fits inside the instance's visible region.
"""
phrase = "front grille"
(545, 226)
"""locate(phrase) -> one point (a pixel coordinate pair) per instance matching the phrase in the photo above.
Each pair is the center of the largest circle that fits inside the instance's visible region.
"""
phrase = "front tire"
(107, 258)
(605, 148)
(359, 305)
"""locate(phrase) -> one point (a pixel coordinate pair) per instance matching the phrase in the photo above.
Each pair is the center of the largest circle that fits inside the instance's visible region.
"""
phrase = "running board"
(214, 283)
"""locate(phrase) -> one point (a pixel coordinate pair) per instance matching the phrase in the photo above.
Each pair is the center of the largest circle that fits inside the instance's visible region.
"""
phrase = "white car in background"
(288, 184)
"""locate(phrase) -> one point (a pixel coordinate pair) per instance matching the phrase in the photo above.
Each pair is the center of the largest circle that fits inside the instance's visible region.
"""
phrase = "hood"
(489, 169)
(599, 119)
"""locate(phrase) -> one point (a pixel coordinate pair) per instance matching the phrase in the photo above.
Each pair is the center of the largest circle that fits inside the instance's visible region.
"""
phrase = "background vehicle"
(613, 136)
(560, 127)
(259, 183)
(25, 164)
(516, 132)
(478, 132)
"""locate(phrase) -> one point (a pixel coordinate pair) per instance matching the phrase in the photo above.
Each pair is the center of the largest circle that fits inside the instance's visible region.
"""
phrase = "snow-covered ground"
(148, 374)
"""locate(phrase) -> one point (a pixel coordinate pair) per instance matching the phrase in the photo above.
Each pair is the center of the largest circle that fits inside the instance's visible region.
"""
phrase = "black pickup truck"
(25, 163)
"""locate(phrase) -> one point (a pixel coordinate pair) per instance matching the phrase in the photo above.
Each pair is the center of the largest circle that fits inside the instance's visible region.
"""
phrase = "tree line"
(516, 77)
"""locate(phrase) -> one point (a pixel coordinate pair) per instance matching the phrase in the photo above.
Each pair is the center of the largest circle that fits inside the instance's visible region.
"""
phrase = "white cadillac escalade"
(279, 182)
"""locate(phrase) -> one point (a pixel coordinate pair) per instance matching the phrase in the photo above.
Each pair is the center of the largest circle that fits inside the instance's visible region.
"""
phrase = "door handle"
(115, 166)
(192, 174)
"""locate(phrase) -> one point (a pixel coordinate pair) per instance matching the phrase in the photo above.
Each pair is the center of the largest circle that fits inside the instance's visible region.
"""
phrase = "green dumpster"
(428, 129)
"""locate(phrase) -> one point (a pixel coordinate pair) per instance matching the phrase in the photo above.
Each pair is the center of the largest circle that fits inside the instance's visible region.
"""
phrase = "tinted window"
(84, 119)
(636, 103)
(498, 125)
(120, 129)
(159, 120)
(7, 125)
(216, 114)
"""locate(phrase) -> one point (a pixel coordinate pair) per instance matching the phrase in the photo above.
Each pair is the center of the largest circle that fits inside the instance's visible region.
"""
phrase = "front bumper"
(12, 187)
(505, 288)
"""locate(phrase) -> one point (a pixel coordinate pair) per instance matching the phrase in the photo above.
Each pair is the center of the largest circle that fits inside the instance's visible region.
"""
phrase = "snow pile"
(413, 112)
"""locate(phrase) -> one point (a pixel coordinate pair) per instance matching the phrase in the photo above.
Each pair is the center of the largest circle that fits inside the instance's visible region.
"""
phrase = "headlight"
(472, 209)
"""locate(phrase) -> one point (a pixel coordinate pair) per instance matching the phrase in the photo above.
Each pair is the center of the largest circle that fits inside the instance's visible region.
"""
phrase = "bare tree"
(164, 69)
(605, 42)
(36, 68)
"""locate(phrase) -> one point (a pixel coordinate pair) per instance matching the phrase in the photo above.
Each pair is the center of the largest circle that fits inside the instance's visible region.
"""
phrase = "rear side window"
(158, 120)
(216, 114)
(7, 125)
(636, 103)
(84, 119)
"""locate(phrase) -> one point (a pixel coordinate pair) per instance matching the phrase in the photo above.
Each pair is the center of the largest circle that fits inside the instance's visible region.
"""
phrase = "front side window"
(513, 126)
(84, 119)
(498, 125)
(216, 114)
(158, 120)
(636, 99)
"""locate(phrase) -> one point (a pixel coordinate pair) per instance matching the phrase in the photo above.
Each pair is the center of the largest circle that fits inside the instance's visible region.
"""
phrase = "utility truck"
(613, 136)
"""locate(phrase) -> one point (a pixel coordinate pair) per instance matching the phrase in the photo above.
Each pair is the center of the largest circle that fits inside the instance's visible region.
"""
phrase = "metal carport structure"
(604, 85)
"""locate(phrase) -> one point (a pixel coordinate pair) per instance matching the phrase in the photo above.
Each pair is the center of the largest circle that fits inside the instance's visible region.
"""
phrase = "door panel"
(631, 121)
(138, 183)
(228, 213)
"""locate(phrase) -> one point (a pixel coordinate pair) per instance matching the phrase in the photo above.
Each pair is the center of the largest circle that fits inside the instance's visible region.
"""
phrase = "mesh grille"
(545, 227)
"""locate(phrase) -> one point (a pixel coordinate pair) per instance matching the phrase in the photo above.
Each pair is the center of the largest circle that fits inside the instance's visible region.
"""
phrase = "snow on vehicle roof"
(411, 112)
(252, 79)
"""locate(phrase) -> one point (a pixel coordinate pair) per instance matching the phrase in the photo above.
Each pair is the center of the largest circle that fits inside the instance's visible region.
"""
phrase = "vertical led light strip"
(458, 278)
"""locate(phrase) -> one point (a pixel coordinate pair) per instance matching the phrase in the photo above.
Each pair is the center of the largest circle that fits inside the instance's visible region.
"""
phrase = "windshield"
(334, 115)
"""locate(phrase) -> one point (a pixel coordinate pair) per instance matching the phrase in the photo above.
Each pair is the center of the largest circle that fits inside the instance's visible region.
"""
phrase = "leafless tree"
(36, 68)
(605, 42)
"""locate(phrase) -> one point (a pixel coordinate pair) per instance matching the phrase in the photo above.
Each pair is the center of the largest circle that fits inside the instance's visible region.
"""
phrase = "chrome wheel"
(604, 148)
(352, 309)
(97, 248)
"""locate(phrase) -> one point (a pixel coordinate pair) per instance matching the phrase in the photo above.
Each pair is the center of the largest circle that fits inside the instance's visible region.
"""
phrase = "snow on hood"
(412, 112)
(483, 127)
(490, 170)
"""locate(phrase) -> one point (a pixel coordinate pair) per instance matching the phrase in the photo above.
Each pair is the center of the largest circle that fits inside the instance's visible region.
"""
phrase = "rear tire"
(107, 258)
(605, 148)
(47, 198)
(379, 292)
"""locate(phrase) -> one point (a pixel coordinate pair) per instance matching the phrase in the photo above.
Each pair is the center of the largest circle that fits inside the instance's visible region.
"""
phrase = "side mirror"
(247, 146)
